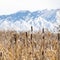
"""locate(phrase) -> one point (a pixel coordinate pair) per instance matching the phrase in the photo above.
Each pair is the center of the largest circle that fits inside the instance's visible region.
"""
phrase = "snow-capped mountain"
(23, 20)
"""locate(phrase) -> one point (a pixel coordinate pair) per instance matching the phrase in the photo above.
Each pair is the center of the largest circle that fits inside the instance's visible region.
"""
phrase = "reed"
(29, 46)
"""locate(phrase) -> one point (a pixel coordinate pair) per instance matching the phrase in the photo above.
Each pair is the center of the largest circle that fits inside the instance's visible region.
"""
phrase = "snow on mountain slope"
(57, 23)
(58, 17)
(21, 25)
(22, 21)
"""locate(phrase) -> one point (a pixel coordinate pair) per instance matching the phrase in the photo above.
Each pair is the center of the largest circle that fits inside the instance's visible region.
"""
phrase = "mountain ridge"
(23, 20)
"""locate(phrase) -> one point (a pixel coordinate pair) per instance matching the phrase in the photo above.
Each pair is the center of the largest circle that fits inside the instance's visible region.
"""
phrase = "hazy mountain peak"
(23, 20)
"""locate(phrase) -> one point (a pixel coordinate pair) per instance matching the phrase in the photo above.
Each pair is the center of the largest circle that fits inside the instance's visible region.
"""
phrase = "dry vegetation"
(26, 46)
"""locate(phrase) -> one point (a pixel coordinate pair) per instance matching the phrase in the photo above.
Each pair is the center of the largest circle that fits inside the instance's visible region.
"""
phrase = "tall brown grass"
(27, 46)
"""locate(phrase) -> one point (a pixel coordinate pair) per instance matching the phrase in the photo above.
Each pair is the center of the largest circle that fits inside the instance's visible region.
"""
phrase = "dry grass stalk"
(19, 46)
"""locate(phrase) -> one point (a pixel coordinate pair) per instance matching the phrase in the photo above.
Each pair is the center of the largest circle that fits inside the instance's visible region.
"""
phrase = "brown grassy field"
(27, 46)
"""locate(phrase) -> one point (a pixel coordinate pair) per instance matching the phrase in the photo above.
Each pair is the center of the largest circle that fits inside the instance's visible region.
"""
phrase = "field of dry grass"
(27, 46)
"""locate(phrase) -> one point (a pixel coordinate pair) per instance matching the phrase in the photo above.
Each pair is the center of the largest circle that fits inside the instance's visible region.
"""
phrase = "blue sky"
(12, 6)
